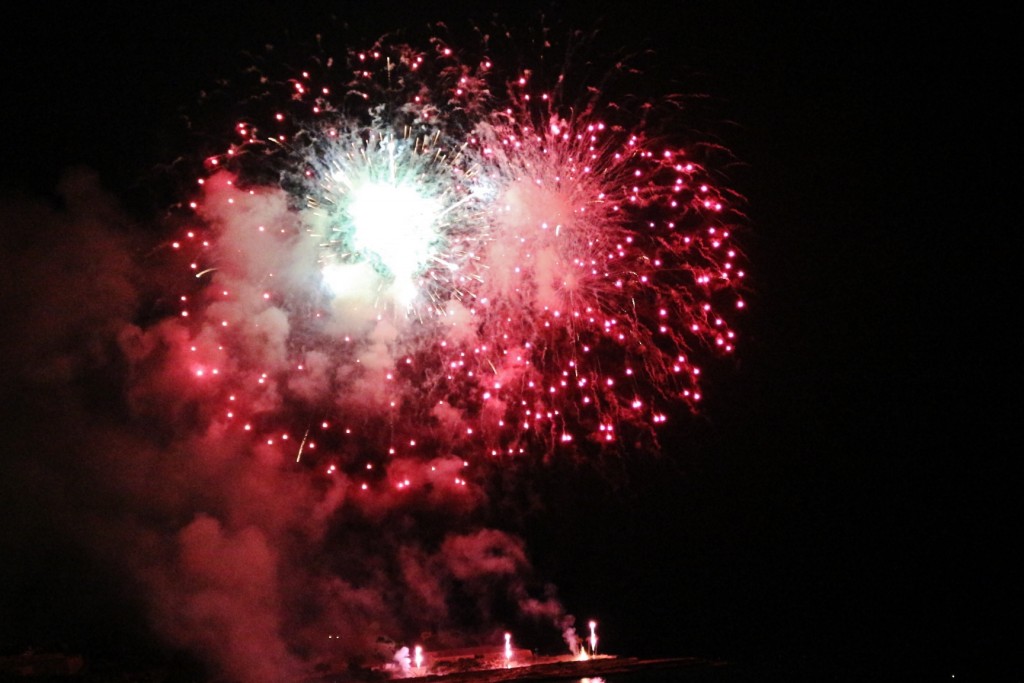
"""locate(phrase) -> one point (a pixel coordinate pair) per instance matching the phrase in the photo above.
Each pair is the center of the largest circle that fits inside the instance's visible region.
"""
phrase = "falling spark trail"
(302, 445)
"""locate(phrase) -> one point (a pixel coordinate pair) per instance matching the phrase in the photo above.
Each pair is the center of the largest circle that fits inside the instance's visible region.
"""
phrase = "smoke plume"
(260, 565)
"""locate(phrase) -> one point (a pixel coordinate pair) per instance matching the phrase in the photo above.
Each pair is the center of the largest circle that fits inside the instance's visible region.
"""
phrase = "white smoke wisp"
(403, 660)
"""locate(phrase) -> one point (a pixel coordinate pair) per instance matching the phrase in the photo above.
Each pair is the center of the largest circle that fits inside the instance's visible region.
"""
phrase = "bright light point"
(348, 280)
(394, 226)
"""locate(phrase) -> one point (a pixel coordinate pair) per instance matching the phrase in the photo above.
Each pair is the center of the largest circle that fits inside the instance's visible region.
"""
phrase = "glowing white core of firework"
(395, 225)
(350, 280)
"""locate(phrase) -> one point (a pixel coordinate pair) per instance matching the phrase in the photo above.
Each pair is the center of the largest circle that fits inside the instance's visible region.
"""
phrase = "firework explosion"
(452, 265)
(412, 270)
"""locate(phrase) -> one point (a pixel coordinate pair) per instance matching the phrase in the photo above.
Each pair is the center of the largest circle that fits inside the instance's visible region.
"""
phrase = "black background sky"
(850, 497)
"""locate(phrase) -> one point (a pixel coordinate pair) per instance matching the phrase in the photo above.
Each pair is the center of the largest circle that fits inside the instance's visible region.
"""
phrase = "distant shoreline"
(547, 668)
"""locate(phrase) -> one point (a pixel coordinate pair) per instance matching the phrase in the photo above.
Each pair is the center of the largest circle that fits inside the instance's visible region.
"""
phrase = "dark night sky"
(847, 500)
